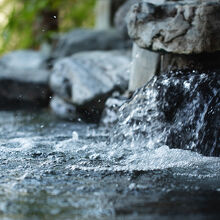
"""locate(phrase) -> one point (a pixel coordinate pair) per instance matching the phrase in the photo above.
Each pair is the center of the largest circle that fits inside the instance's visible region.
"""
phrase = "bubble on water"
(132, 186)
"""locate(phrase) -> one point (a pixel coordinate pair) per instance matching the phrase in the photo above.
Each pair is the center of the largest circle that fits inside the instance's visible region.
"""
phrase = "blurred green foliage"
(21, 24)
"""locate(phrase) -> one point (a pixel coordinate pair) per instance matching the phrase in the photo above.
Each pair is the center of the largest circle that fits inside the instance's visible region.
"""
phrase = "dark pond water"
(51, 169)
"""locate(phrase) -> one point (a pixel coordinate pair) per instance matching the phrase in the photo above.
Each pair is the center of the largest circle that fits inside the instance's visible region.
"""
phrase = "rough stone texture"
(63, 109)
(85, 40)
(181, 27)
(86, 79)
(145, 64)
(23, 80)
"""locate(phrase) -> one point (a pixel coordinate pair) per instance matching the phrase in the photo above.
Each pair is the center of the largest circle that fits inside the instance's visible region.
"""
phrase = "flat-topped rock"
(181, 27)
(23, 79)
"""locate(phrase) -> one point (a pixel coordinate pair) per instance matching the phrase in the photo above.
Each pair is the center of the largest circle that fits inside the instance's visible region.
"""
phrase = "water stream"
(53, 169)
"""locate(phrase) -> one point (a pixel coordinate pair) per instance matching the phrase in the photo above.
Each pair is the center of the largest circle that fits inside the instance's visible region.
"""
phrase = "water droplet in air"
(75, 136)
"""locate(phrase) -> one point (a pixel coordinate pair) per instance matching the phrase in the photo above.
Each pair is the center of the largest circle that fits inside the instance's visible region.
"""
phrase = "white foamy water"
(131, 158)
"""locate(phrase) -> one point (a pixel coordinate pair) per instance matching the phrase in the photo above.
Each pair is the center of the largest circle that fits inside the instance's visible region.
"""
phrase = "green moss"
(21, 25)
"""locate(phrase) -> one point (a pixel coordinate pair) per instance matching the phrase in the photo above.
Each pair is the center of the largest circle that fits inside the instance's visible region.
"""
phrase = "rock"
(178, 109)
(63, 109)
(23, 80)
(180, 27)
(86, 40)
(145, 64)
(86, 79)
(202, 62)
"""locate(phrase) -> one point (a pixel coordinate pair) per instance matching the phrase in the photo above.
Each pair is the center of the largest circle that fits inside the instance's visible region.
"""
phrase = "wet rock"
(85, 40)
(179, 109)
(63, 109)
(181, 27)
(23, 80)
(86, 79)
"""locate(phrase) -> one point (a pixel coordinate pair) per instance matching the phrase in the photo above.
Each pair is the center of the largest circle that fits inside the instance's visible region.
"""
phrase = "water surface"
(51, 169)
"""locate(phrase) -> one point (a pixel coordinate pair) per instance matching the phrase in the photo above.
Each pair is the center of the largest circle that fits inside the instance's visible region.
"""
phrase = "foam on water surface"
(63, 170)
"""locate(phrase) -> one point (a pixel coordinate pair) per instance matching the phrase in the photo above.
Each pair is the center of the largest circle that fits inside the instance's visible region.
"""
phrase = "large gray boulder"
(23, 79)
(87, 39)
(87, 79)
(181, 27)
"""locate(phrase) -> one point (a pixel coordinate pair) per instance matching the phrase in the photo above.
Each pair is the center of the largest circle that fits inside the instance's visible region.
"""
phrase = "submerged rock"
(85, 40)
(23, 80)
(179, 109)
(87, 79)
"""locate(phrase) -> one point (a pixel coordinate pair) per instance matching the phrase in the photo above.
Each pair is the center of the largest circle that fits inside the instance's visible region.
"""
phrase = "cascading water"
(178, 109)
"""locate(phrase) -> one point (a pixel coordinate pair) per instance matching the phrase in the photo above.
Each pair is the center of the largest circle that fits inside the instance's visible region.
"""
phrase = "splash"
(178, 109)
